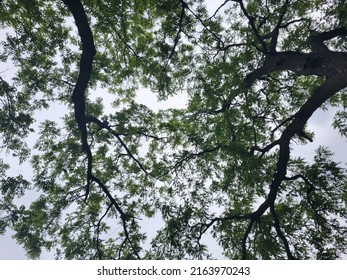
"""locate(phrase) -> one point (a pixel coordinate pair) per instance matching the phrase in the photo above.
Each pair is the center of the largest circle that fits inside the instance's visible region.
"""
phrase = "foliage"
(106, 166)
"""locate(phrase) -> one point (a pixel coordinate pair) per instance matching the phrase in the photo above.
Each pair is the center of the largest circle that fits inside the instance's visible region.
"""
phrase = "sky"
(320, 123)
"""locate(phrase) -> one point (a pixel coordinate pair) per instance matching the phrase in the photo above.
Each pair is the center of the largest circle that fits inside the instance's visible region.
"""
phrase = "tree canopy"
(106, 168)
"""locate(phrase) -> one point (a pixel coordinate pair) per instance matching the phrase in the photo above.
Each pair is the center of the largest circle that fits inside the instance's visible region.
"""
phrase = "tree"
(254, 73)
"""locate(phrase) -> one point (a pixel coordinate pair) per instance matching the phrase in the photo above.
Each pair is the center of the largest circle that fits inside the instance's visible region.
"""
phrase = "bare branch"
(320, 64)
(186, 157)
(224, 48)
(216, 12)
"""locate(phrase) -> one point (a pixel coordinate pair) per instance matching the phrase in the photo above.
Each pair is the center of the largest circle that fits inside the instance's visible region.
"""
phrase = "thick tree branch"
(265, 149)
(319, 64)
(330, 64)
(321, 61)
(79, 102)
(86, 66)
(316, 40)
(282, 124)
(321, 95)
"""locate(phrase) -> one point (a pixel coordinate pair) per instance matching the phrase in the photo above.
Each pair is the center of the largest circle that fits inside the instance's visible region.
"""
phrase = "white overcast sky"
(320, 123)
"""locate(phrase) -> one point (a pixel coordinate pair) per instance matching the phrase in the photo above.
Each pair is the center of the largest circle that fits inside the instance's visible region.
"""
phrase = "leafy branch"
(79, 102)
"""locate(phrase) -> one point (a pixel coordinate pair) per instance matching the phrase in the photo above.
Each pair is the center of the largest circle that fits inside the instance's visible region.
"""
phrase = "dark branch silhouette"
(333, 66)
(79, 102)
(86, 66)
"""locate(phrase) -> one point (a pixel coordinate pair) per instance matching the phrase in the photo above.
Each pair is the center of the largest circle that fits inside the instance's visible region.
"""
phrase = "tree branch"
(86, 66)
(216, 11)
(320, 64)
(319, 96)
(319, 38)
(275, 33)
(124, 217)
(244, 239)
(78, 98)
(99, 252)
(106, 126)
(253, 27)
(280, 233)
(316, 39)
(180, 27)
(215, 35)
